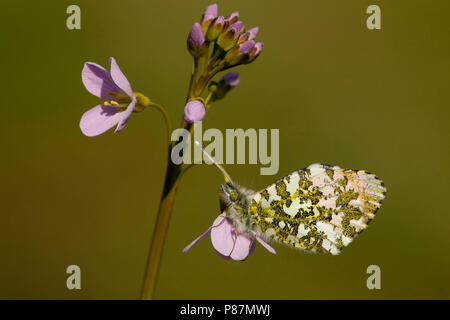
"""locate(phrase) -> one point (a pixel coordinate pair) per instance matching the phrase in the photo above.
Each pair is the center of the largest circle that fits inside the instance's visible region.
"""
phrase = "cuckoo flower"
(114, 88)
(228, 243)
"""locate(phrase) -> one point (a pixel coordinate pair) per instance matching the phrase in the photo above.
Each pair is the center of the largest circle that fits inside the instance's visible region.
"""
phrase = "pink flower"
(114, 88)
(228, 243)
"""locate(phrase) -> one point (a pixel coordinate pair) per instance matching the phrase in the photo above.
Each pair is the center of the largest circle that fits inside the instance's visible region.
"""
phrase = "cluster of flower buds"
(233, 44)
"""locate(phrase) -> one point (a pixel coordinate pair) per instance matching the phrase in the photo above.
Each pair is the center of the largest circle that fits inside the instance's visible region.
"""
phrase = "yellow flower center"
(121, 100)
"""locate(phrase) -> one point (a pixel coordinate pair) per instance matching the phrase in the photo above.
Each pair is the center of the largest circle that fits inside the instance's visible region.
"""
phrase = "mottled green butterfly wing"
(320, 208)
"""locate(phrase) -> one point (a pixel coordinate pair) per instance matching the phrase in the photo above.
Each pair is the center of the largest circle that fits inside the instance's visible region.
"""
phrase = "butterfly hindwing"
(320, 208)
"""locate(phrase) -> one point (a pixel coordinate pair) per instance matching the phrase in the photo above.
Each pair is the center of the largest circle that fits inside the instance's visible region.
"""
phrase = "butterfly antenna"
(225, 174)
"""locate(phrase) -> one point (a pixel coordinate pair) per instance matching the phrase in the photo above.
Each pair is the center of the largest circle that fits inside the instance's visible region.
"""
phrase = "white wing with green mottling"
(320, 208)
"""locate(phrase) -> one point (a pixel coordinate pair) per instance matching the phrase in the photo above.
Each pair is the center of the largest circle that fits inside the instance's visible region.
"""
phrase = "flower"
(228, 243)
(196, 39)
(114, 88)
(194, 111)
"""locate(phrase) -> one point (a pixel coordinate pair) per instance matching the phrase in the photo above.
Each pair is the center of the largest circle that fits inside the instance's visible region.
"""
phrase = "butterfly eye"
(234, 196)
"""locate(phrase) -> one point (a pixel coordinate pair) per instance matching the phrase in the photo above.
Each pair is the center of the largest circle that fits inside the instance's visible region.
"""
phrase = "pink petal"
(126, 115)
(204, 234)
(98, 81)
(119, 78)
(243, 248)
(99, 119)
(222, 237)
(266, 245)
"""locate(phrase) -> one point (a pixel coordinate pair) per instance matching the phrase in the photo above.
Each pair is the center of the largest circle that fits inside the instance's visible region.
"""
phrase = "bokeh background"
(338, 92)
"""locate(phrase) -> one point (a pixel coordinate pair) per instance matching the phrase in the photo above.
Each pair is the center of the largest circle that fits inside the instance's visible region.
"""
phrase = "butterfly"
(320, 208)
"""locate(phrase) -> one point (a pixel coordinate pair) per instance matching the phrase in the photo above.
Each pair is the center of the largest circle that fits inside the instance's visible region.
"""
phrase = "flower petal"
(204, 234)
(99, 119)
(98, 81)
(222, 235)
(119, 78)
(243, 247)
(125, 116)
(266, 245)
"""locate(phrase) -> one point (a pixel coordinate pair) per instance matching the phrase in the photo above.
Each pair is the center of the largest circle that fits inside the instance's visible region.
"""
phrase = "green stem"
(160, 229)
(166, 116)
(172, 178)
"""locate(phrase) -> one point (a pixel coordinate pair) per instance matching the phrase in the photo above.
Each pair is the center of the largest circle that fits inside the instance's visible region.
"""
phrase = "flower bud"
(238, 26)
(231, 79)
(256, 51)
(240, 54)
(226, 83)
(253, 33)
(215, 29)
(209, 15)
(196, 39)
(228, 39)
(243, 37)
(249, 35)
(232, 18)
(194, 111)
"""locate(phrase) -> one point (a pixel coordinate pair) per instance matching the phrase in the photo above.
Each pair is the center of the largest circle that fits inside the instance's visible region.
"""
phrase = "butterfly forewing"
(320, 208)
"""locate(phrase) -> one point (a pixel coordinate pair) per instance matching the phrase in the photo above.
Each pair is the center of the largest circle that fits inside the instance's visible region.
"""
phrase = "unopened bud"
(225, 84)
(253, 33)
(256, 51)
(232, 18)
(215, 29)
(228, 39)
(240, 54)
(194, 111)
(196, 39)
(209, 15)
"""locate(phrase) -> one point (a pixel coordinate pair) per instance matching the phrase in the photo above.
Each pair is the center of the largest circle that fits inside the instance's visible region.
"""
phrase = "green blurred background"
(340, 94)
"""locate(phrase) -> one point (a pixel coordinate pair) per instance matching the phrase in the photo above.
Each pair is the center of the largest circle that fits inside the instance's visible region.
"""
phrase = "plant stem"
(160, 229)
(172, 178)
